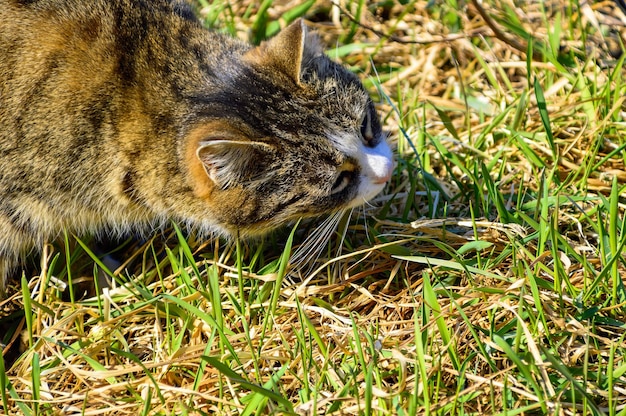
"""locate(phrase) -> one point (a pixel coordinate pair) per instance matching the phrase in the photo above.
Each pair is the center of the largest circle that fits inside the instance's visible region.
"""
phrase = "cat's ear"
(286, 51)
(230, 162)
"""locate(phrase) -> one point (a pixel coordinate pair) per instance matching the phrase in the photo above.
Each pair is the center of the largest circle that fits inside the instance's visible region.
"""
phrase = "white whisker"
(344, 231)
(310, 250)
(365, 224)
(301, 251)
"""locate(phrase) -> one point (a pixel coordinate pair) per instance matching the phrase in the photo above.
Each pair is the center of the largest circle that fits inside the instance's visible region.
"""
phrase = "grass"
(487, 279)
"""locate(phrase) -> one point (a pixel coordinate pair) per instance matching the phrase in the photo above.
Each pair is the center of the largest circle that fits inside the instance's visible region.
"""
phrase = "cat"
(120, 116)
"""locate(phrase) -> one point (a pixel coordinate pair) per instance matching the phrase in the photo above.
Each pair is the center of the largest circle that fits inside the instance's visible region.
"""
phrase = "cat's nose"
(384, 178)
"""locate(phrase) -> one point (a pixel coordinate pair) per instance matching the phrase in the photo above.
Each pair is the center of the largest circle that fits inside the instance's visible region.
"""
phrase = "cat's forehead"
(322, 114)
(334, 115)
(333, 81)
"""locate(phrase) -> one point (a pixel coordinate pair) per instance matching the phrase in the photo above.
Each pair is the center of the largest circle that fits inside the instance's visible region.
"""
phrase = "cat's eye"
(342, 181)
(367, 132)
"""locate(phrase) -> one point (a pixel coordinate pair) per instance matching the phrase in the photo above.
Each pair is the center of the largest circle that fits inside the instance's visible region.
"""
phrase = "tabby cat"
(119, 116)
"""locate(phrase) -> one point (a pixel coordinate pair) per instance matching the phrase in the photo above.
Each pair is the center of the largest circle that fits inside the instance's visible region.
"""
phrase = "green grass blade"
(35, 382)
(545, 118)
(233, 376)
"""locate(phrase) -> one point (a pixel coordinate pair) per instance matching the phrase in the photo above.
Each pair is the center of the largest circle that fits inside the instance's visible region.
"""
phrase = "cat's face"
(297, 136)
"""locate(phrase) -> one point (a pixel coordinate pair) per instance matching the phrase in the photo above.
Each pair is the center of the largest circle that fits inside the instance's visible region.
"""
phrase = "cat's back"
(40, 40)
(88, 93)
(77, 69)
(72, 55)
(52, 25)
(85, 40)
(59, 88)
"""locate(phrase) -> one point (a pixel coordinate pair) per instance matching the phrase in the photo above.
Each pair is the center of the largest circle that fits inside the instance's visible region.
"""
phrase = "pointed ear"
(285, 51)
(231, 162)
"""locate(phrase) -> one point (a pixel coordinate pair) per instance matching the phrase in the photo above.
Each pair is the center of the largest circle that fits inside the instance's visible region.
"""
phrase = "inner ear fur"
(286, 51)
(220, 157)
(230, 162)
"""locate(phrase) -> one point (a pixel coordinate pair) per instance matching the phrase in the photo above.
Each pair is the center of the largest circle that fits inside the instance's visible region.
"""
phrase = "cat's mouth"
(366, 195)
(374, 181)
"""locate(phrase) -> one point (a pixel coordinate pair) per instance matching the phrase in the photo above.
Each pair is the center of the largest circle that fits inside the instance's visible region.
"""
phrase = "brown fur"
(120, 115)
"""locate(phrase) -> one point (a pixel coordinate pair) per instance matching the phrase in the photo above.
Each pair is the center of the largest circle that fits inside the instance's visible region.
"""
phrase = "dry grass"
(487, 279)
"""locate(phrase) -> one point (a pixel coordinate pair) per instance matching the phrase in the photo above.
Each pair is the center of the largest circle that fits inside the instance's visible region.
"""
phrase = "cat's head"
(290, 134)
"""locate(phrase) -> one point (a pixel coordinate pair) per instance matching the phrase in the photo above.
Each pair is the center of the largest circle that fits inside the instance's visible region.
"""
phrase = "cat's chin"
(367, 192)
